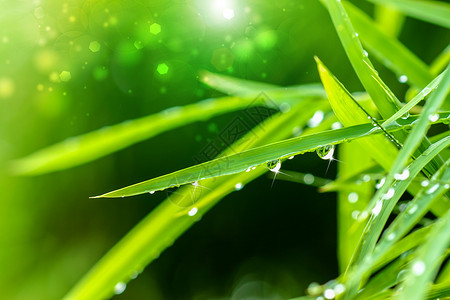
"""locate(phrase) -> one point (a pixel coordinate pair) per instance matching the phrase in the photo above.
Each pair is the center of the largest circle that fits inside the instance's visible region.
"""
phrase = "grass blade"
(258, 157)
(171, 218)
(389, 51)
(383, 98)
(91, 146)
(405, 221)
(352, 198)
(240, 87)
(427, 261)
(435, 12)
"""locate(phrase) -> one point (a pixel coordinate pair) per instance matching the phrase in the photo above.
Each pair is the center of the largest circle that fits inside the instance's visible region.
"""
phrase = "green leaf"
(182, 209)
(388, 50)
(373, 231)
(383, 98)
(258, 157)
(366, 260)
(352, 198)
(91, 146)
(427, 261)
(240, 87)
(435, 12)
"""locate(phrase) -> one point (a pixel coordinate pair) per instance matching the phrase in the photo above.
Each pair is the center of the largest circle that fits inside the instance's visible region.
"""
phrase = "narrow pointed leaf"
(435, 12)
(240, 162)
(91, 146)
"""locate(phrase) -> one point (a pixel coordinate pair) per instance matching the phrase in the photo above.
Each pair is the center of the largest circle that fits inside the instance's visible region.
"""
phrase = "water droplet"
(446, 186)
(424, 183)
(365, 53)
(355, 214)
(248, 170)
(339, 288)
(119, 288)
(193, 211)
(274, 165)
(238, 186)
(134, 275)
(377, 209)
(433, 188)
(308, 178)
(405, 116)
(291, 157)
(403, 78)
(336, 125)
(402, 176)
(151, 192)
(418, 268)
(380, 184)
(400, 275)
(285, 107)
(195, 183)
(390, 237)
(389, 194)
(316, 119)
(329, 294)
(402, 207)
(362, 216)
(326, 152)
(412, 210)
(366, 178)
(314, 289)
(352, 197)
(433, 118)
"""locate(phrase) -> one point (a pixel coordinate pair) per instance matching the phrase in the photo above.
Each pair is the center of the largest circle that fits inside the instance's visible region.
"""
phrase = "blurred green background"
(70, 67)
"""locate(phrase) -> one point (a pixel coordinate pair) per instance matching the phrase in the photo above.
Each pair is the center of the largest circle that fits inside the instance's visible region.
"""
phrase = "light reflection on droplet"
(433, 118)
(389, 194)
(433, 188)
(316, 119)
(353, 197)
(308, 178)
(390, 237)
(238, 186)
(193, 211)
(339, 288)
(403, 78)
(402, 176)
(336, 125)
(326, 152)
(329, 294)
(412, 210)
(120, 287)
(418, 268)
(377, 209)
(380, 184)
